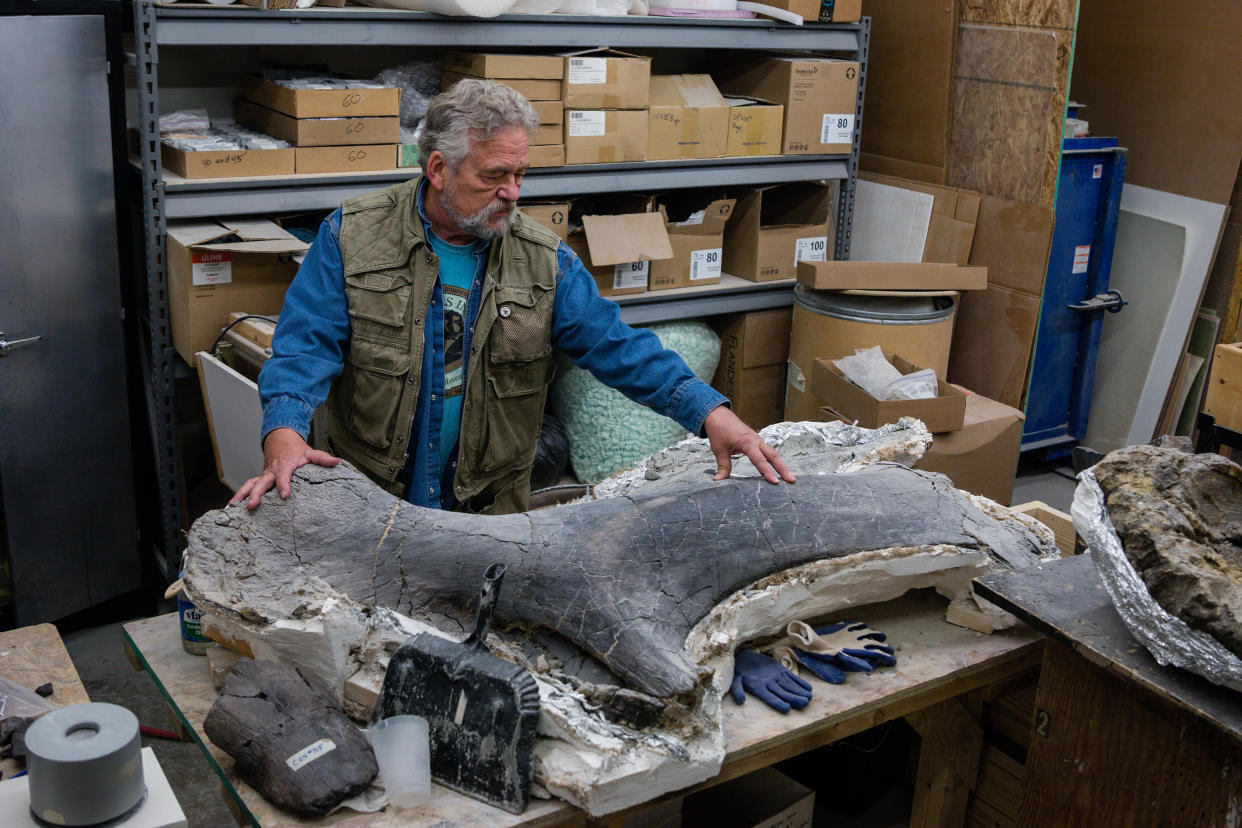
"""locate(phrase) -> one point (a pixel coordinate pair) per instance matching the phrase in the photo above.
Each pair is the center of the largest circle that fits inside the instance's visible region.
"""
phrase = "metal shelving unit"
(169, 197)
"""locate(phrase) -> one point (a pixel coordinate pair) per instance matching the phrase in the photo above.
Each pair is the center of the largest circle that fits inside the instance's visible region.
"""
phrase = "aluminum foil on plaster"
(1169, 639)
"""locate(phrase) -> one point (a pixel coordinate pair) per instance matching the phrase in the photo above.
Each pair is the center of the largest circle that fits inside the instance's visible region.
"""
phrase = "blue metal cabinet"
(1076, 294)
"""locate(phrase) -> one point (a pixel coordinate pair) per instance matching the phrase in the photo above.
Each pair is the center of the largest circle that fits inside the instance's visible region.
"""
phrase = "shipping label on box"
(755, 127)
(211, 267)
(606, 79)
(489, 65)
(605, 136)
(820, 96)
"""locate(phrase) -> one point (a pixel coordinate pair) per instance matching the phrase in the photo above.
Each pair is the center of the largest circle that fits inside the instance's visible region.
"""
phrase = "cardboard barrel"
(833, 324)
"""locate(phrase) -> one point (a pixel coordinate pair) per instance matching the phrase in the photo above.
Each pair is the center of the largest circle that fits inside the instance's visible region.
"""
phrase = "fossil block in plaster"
(291, 607)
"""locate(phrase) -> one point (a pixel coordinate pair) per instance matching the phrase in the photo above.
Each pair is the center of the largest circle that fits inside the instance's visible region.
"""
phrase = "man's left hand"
(728, 435)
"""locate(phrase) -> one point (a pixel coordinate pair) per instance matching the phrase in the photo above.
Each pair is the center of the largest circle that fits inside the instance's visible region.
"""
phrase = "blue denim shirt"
(308, 352)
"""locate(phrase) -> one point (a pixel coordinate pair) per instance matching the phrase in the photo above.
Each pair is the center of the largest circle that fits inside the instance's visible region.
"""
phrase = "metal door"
(66, 476)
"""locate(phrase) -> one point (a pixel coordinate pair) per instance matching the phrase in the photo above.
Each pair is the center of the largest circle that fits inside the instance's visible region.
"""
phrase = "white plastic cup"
(404, 755)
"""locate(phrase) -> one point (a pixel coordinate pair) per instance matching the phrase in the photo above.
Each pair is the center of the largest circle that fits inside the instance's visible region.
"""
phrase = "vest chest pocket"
(523, 327)
(372, 385)
(379, 301)
(515, 397)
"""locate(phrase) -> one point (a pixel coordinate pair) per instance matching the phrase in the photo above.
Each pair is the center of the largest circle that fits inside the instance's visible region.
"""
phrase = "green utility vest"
(390, 271)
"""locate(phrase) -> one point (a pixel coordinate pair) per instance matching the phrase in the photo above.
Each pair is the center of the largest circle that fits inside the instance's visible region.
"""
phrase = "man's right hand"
(284, 450)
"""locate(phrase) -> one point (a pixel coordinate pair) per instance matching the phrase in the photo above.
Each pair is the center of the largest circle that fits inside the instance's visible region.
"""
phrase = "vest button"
(428, 258)
(418, 320)
(391, 470)
(506, 311)
(400, 439)
(409, 380)
(467, 403)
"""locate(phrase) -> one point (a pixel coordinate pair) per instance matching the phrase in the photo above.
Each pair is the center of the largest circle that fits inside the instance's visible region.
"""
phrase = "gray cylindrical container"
(85, 764)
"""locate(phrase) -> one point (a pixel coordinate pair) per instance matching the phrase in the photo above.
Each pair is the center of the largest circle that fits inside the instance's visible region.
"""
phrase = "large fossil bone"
(625, 579)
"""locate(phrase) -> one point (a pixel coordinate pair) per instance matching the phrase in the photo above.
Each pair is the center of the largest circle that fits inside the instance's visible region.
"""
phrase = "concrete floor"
(99, 656)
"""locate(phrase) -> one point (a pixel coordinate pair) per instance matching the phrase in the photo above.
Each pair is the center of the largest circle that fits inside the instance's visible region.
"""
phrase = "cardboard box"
(1061, 524)
(840, 11)
(532, 90)
(751, 371)
(548, 135)
(346, 159)
(227, 163)
(553, 215)
(835, 275)
(550, 155)
(489, 65)
(317, 132)
(688, 118)
(943, 412)
(898, 220)
(618, 248)
(605, 136)
(606, 79)
(774, 228)
(765, 798)
(323, 103)
(215, 268)
(549, 112)
(755, 127)
(696, 234)
(820, 97)
(982, 457)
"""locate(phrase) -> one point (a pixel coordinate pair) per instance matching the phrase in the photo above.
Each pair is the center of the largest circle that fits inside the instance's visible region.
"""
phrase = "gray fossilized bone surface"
(624, 578)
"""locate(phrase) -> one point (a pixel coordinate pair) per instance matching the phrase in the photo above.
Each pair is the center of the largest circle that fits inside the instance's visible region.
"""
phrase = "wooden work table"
(33, 656)
(939, 664)
(1118, 739)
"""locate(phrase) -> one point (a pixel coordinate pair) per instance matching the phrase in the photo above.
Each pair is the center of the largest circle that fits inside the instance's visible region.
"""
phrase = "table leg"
(948, 763)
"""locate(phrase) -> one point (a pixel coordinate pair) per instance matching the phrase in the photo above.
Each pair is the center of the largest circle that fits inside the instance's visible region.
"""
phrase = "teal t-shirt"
(458, 263)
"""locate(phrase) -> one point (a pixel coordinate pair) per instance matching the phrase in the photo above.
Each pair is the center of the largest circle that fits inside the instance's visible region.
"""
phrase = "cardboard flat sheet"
(890, 223)
(888, 276)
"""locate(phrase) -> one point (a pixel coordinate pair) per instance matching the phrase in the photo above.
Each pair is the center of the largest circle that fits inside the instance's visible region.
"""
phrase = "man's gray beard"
(477, 224)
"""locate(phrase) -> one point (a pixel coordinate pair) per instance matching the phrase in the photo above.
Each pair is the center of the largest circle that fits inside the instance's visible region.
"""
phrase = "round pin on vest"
(505, 311)
(85, 764)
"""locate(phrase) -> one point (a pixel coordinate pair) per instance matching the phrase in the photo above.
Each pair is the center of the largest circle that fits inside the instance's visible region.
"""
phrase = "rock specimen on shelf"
(289, 737)
(1179, 517)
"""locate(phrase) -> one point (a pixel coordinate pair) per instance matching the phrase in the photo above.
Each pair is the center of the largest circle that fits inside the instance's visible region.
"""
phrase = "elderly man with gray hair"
(423, 321)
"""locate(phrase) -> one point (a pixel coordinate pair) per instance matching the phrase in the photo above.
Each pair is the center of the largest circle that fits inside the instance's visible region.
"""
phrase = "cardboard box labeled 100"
(944, 412)
(774, 228)
(215, 268)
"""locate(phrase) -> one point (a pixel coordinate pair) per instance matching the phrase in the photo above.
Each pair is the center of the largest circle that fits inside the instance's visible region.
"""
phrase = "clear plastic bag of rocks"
(870, 370)
(419, 82)
(185, 120)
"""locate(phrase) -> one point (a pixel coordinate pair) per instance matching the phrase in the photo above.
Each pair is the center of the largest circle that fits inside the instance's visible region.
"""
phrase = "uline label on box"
(588, 70)
(837, 129)
(211, 268)
(584, 124)
(705, 264)
(630, 275)
(811, 249)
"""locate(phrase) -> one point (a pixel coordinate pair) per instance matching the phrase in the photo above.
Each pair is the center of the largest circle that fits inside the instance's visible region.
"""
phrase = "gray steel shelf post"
(160, 373)
(845, 204)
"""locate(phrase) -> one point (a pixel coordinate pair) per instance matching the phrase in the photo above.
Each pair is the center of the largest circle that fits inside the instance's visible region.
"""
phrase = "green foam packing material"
(609, 432)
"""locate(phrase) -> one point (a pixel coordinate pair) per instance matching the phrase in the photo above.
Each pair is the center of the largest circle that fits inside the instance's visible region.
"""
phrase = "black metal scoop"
(481, 710)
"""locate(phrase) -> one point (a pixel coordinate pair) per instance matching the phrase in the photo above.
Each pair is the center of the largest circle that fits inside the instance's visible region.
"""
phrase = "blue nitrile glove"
(766, 679)
(848, 645)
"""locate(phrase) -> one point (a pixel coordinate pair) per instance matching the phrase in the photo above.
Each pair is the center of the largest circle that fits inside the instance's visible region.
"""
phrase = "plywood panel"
(1166, 81)
(909, 80)
(1041, 14)
(1006, 90)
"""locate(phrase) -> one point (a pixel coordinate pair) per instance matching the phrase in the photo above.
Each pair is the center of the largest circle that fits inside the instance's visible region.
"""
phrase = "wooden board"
(33, 656)
(1066, 599)
(1224, 392)
(937, 661)
(1140, 68)
(1061, 524)
(1107, 752)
